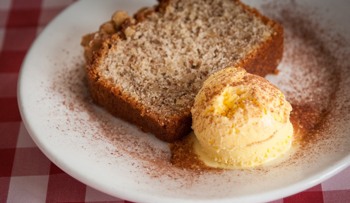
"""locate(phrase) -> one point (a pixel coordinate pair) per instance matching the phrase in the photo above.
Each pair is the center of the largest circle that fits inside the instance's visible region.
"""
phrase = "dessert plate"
(116, 158)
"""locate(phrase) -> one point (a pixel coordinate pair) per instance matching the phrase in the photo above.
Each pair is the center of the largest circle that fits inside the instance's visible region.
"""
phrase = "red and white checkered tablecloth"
(26, 175)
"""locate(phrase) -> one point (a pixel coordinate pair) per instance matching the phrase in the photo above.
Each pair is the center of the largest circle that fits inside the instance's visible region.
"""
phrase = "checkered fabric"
(26, 175)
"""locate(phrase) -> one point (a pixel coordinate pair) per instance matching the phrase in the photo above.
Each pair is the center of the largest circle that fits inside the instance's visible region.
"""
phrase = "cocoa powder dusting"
(315, 68)
(183, 156)
(316, 61)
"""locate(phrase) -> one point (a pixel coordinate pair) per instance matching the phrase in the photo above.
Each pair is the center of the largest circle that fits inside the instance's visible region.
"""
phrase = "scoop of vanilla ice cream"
(240, 120)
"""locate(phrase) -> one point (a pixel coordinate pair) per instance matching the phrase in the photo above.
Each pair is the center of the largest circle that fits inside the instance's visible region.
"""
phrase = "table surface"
(26, 175)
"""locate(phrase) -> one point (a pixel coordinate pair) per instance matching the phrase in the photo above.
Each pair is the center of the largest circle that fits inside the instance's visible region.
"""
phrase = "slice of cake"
(147, 69)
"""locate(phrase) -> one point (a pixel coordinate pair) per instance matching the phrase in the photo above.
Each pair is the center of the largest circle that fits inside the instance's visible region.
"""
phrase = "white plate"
(116, 158)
